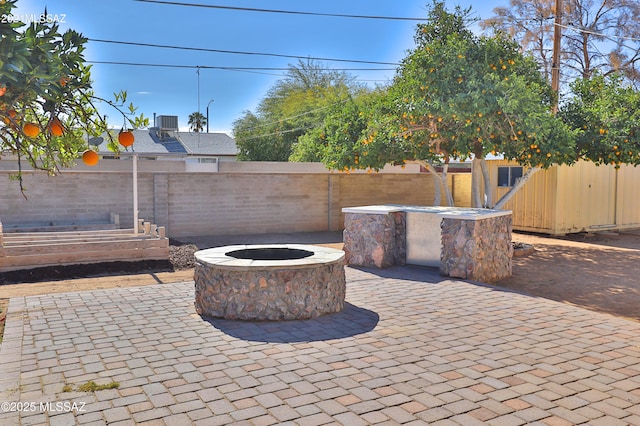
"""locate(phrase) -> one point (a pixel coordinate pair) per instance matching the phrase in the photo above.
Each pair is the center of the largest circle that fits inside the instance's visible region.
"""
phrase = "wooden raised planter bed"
(26, 250)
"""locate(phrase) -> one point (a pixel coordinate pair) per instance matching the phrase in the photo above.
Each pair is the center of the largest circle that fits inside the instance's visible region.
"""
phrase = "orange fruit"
(3, 90)
(126, 138)
(31, 130)
(56, 127)
(11, 114)
(90, 157)
(63, 81)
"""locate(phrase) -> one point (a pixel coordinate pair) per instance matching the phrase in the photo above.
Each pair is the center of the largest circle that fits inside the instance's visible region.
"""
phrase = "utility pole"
(555, 65)
(198, 72)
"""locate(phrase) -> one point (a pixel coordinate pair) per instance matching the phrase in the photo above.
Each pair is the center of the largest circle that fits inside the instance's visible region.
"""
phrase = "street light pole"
(208, 114)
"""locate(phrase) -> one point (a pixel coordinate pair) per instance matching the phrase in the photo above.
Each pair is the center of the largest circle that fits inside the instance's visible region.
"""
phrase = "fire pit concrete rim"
(218, 256)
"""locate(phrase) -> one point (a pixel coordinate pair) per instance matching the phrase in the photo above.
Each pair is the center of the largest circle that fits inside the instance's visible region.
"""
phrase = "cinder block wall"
(72, 198)
(461, 189)
(222, 203)
(209, 204)
(383, 188)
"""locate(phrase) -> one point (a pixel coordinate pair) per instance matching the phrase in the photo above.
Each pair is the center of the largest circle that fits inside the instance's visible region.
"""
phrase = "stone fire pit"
(269, 282)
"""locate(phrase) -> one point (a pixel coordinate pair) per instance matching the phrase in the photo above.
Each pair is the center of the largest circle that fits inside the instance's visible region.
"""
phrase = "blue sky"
(175, 91)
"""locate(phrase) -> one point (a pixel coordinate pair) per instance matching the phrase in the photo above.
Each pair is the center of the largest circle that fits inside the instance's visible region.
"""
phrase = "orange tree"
(606, 111)
(47, 106)
(338, 142)
(459, 96)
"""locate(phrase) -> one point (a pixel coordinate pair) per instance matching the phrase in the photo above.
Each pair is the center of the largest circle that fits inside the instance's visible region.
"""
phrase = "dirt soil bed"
(595, 271)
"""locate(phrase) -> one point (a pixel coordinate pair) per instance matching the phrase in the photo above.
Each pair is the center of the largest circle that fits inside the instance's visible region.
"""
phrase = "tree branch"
(515, 188)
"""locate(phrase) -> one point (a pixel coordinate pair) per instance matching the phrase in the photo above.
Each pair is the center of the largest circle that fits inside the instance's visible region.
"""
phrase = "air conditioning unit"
(167, 122)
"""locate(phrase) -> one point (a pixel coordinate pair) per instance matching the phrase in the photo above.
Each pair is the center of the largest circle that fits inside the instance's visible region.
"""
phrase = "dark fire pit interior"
(270, 253)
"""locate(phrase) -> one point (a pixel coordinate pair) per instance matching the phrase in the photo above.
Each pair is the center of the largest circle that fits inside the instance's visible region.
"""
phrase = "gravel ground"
(181, 255)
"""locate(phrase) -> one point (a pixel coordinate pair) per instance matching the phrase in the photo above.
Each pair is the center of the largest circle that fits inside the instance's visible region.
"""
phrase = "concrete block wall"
(161, 198)
(68, 198)
(382, 188)
(461, 189)
(188, 204)
(209, 204)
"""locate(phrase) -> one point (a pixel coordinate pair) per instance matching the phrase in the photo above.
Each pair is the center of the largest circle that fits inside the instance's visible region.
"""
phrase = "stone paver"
(410, 347)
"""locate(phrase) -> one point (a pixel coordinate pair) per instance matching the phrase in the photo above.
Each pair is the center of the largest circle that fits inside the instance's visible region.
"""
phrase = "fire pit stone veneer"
(269, 282)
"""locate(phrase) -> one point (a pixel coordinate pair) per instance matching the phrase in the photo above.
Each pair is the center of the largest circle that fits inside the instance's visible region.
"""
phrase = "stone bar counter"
(466, 243)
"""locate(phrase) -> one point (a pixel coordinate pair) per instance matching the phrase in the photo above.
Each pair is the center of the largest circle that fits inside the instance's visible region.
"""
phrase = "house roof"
(208, 143)
(147, 141)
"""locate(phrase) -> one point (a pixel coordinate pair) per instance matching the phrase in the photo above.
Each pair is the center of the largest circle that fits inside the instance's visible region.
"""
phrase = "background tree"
(47, 106)
(333, 143)
(607, 113)
(293, 106)
(456, 96)
(596, 35)
(197, 121)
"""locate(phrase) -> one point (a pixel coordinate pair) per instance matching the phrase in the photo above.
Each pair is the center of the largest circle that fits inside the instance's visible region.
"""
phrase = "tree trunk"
(476, 175)
(436, 187)
(441, 180)
(488, 190)
(447, 190)
(519, 184)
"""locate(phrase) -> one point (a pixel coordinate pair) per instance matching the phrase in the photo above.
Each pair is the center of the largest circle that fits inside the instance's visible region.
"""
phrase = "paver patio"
(410, 348)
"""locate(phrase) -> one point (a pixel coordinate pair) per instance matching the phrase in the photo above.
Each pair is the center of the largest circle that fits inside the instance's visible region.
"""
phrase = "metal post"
(135, 194)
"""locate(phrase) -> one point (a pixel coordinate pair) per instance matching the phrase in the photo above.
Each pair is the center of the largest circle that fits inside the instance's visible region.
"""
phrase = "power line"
(291, 12)
(295, 116)
(201, 49)
(279, 132)
(140, 64)
(581, 30)
(609, 36)
(245, 69)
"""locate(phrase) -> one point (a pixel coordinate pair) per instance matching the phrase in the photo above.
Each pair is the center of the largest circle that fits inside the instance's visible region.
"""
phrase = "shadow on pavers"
(417, 273)
(351, 321)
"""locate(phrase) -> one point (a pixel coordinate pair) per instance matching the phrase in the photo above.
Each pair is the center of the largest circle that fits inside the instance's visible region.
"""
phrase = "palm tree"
(197, 121)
